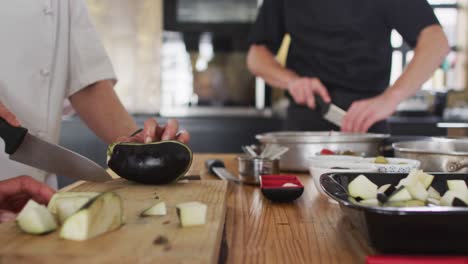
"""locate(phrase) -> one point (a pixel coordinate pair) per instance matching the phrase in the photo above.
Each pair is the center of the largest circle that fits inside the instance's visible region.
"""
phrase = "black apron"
(301, 118)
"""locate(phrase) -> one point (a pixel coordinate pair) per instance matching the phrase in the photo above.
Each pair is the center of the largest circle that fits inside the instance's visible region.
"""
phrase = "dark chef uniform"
(344, 43)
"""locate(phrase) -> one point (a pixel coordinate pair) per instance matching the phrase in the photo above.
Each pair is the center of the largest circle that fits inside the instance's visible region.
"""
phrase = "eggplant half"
(154, 163)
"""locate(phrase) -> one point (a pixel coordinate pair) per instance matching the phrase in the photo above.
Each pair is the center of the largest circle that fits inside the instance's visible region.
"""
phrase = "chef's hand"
(8, 116)
(16, 192)
(155, 132)
(364, 113)
(304, 89)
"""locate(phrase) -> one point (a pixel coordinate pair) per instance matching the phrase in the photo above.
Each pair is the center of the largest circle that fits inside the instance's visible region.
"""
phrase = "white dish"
(395, 165)
(319, 167)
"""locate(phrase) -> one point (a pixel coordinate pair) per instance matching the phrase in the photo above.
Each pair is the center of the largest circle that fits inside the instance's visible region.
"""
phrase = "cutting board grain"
(133, 242)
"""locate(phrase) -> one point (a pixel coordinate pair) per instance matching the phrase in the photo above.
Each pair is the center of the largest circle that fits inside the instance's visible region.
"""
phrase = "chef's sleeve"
(409, 18)
(269, 28)
(88, 60)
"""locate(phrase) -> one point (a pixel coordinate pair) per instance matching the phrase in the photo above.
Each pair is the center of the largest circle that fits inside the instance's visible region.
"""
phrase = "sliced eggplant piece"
(362, 187)
(426, 179)
(52, 206)
(458, 202)
(449, 196)
(418, 191)
(400, 195)
(66, 206)
(35, 219)
(386, 189)
(157, 209)
(433, 201)
(191, 213)
(410, 203)
(154, 163)
(370, 202)
(100, 215)
(433, 193)
(458, 186)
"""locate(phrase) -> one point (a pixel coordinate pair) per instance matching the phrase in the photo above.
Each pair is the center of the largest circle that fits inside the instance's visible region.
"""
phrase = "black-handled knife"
(218, 168)
(329, 111)
(35, 152)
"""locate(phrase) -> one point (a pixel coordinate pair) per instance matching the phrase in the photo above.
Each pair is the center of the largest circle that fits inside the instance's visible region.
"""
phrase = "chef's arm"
(262, 63)
(431, 49)
(100, 108)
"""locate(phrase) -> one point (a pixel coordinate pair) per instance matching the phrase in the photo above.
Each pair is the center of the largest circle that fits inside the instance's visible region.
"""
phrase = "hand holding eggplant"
(154, 132)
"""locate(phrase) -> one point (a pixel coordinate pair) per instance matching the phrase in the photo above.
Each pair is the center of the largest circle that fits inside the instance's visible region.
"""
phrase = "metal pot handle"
(454, 166)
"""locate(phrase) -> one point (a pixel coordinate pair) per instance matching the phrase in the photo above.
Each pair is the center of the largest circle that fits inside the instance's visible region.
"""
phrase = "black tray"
(411, 230)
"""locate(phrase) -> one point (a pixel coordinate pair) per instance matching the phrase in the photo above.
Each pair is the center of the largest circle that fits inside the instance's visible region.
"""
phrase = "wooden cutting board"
(133, 242)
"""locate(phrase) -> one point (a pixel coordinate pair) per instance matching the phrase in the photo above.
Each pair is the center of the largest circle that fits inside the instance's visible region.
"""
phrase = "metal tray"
(411, 230)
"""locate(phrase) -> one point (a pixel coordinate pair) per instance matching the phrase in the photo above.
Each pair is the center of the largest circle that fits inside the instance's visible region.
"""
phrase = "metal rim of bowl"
(400, 146)
(319, 137)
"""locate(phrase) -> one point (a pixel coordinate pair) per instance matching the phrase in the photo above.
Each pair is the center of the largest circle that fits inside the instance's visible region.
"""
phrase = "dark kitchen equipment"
(410, 230)
(273, 189)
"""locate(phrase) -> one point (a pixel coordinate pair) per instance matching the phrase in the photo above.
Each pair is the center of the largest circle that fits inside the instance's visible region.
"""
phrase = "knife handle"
(321, 105)
(214, 163)
(13, 136)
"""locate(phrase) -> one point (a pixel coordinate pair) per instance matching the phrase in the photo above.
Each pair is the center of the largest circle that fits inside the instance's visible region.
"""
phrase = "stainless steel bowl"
(436, 154)
(303, 145)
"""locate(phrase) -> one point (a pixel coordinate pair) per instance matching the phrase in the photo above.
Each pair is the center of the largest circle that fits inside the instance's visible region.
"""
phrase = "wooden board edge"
(215, 257)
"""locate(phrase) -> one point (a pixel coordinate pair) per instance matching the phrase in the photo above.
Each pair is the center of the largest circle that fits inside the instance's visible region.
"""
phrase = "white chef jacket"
(49, 50)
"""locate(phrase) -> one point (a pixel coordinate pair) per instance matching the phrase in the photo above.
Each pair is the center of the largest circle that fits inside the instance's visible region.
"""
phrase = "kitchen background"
(186, 59)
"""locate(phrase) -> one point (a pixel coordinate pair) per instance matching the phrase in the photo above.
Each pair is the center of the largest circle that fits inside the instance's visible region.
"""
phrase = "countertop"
(309, 230)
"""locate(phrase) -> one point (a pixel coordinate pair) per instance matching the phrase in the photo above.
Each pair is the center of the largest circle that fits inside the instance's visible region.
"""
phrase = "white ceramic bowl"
(395, 165)
(321, 164)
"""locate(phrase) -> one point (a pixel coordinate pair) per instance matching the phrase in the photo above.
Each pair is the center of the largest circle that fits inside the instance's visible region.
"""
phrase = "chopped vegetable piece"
(400, 195)
(381, 160)
(100, 215)
(288, 184)
(458, 202)
(449, 196)
(433, 201)
(66, 206)
(35, 219)
(418, 191)
(433, 193)
(52, 203)
(410, 203)
(192, 213)
(370, 202)
(327, 152)
(157, 209)
(363, 188)
(458, 186)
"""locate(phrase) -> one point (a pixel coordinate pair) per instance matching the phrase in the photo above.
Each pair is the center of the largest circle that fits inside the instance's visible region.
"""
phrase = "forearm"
(262, 63)
(431, 49)
(100, 108)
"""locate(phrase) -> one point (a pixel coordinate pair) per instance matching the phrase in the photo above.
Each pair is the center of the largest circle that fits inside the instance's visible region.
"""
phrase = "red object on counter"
(389, 259)
(327, 152)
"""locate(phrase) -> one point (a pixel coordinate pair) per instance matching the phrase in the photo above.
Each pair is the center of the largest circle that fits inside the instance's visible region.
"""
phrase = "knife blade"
(218, 168)
(330, 112)
(35, 152)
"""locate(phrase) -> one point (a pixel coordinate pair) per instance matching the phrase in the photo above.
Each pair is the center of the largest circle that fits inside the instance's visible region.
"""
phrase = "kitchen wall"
(132, 31)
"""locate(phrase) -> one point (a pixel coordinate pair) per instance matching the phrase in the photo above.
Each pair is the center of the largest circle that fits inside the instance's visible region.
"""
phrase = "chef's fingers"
(149, 130)
(320, 89)
(7, 216)
(362, 112)
(349, 118)
(8, 116)
(310, 97)
(172, 127)
(38, 191)
(297, 91)
(183, 136)
(370, 120)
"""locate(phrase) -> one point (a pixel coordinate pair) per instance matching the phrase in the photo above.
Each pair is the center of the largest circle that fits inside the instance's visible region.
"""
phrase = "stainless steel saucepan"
(436, 154)
(303, 145)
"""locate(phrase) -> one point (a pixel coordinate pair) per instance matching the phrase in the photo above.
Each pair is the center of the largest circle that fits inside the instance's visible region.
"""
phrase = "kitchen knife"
(35, 152)
(330, 112)
(218, 168)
